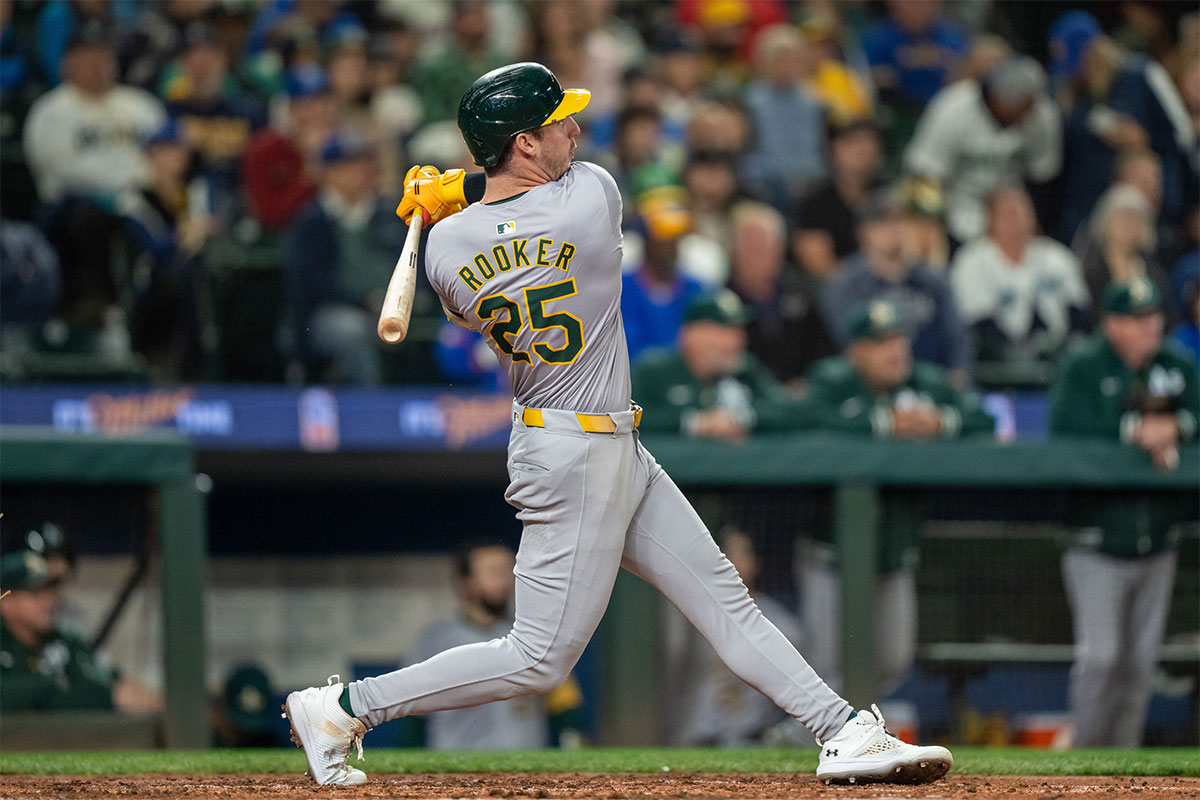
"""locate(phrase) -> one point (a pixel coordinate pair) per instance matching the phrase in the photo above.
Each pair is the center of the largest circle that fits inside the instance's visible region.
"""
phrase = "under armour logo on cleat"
(830, 752)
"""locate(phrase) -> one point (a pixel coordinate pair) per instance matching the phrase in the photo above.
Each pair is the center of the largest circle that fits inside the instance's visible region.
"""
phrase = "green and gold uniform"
(61, 673)
(672, 395)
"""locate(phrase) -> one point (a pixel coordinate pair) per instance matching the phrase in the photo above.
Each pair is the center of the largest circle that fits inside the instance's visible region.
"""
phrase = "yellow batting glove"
(436, 195)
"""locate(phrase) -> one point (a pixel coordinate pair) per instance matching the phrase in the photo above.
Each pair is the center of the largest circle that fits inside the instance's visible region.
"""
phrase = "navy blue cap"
(345, 147)
(306, 80)
(1070, 36)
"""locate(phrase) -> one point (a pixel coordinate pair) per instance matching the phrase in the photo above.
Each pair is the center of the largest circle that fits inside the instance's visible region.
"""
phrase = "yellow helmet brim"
(574, 101)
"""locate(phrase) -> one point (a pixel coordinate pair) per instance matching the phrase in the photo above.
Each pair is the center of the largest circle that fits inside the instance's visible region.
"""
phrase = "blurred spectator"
(29, 282)
(171, 223)
(680, 63)
(1121, 242)
(158, 37)
(395, 109)
(339, 253)
(637, 148)
(1113, 101)
(976, 135)
(83, 138)
(60, 20)
(826, 217)
(612, 47)
(711, 180)
(556, 30)
(721, 710)
(1142, 169)
(346, 64)
(655, 295)
(465, 360)
(875, 389)
(48, 541)
(786, 330)
(44, 667)
(988, 52)
(83, 141)
(913, 53)
(1123, 385)
(723, 126)
(880, 270)
(1187, 333)
(829, 80)
(711, 388)
(444, 74)
(485, 587)
(216, 116)
(1022, 295)
(787, 154)
(280, 166)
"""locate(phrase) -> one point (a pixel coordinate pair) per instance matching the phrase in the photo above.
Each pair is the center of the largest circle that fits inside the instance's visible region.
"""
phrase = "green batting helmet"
(509, 100)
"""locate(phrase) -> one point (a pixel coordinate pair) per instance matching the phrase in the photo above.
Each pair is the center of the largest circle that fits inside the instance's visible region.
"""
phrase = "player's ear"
(526, 143)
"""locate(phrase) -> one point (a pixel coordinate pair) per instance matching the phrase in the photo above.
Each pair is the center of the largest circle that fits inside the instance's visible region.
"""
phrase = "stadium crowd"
(202, 189)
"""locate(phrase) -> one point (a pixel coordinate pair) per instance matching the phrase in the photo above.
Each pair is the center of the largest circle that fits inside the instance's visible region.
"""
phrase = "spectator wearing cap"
(877, 389)
(1021, 294)
(831, 81)
(47, 668)
(48, 541)
(216, 116)
(1123, 385)
(59, 21)
(711, 388)
(786, 155)
(338, 256)
(881, 270)
(281, 165)
(787, 330)
(826, 217)
(83, 141)
(976, 135)
(656, 293)
(1113, 101)
(1121, 241)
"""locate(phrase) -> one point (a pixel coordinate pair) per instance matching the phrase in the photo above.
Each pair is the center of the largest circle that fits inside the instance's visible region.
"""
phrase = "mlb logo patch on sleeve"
(506, 227)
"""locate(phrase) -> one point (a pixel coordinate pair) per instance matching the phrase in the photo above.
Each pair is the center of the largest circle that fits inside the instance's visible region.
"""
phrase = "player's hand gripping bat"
(397, 302)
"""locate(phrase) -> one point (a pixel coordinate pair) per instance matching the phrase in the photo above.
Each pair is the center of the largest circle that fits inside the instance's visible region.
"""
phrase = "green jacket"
(1097, 395)
(837, 399)
(672, 396)
(62, 674)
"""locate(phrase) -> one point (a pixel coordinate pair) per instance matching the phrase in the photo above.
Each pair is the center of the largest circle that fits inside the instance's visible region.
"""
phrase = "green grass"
(1158, 761)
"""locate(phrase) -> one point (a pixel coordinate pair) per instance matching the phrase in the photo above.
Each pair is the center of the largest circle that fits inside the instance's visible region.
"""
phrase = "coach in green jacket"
(876, 390)
(711, 387)
(1124, 384)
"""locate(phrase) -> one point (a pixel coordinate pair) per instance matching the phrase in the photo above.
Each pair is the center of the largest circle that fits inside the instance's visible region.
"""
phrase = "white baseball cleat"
(326, 733)
(863, 751)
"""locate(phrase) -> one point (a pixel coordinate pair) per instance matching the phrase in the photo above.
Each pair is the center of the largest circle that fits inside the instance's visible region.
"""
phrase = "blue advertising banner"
(319, 419)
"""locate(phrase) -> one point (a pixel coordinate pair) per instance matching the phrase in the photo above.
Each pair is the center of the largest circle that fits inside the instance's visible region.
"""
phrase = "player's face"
(491, 582)
(712, 349)
(32, 610)
(1136, 339)
(882, 364)
(557, 147)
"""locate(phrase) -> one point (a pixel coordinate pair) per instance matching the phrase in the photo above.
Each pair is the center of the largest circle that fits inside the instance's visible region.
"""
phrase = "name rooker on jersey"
(500, 261)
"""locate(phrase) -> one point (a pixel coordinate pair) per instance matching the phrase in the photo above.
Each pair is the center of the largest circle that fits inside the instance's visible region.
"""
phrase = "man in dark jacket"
(1124, 385)
(877, 390)
(339, 253)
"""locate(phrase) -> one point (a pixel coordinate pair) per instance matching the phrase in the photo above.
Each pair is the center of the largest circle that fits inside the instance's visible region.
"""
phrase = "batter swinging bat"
(397, 303)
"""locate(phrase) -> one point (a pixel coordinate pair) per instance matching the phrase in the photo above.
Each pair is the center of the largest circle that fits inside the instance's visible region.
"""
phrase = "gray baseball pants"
(591, 504)
(1119, 608)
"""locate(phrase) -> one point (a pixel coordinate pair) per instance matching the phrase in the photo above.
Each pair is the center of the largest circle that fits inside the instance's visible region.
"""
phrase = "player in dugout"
(533, 263)
(876, 389)
(1126, 384)
(484, 583)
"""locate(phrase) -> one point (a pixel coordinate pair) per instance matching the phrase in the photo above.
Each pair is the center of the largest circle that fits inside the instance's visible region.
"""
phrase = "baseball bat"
(397, 302)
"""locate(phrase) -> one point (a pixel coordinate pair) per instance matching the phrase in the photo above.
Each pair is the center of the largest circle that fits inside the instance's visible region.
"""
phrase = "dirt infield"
(603, 787)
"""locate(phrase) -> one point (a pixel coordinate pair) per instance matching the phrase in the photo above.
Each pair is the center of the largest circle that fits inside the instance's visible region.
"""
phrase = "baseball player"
(535, 267)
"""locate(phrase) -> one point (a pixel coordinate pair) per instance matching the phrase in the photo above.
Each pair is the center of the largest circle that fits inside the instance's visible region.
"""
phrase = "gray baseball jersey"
(517, 724)
(539, 275)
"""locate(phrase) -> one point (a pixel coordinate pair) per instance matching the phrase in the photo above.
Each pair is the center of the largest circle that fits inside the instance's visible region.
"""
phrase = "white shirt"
(959, 142)
(77, 143)
(1047, 282)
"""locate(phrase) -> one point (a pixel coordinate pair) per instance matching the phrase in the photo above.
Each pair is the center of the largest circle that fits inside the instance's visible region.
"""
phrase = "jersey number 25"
(535, 299)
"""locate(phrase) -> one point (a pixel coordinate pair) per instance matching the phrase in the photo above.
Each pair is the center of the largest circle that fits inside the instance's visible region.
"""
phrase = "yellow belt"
(591, 423)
